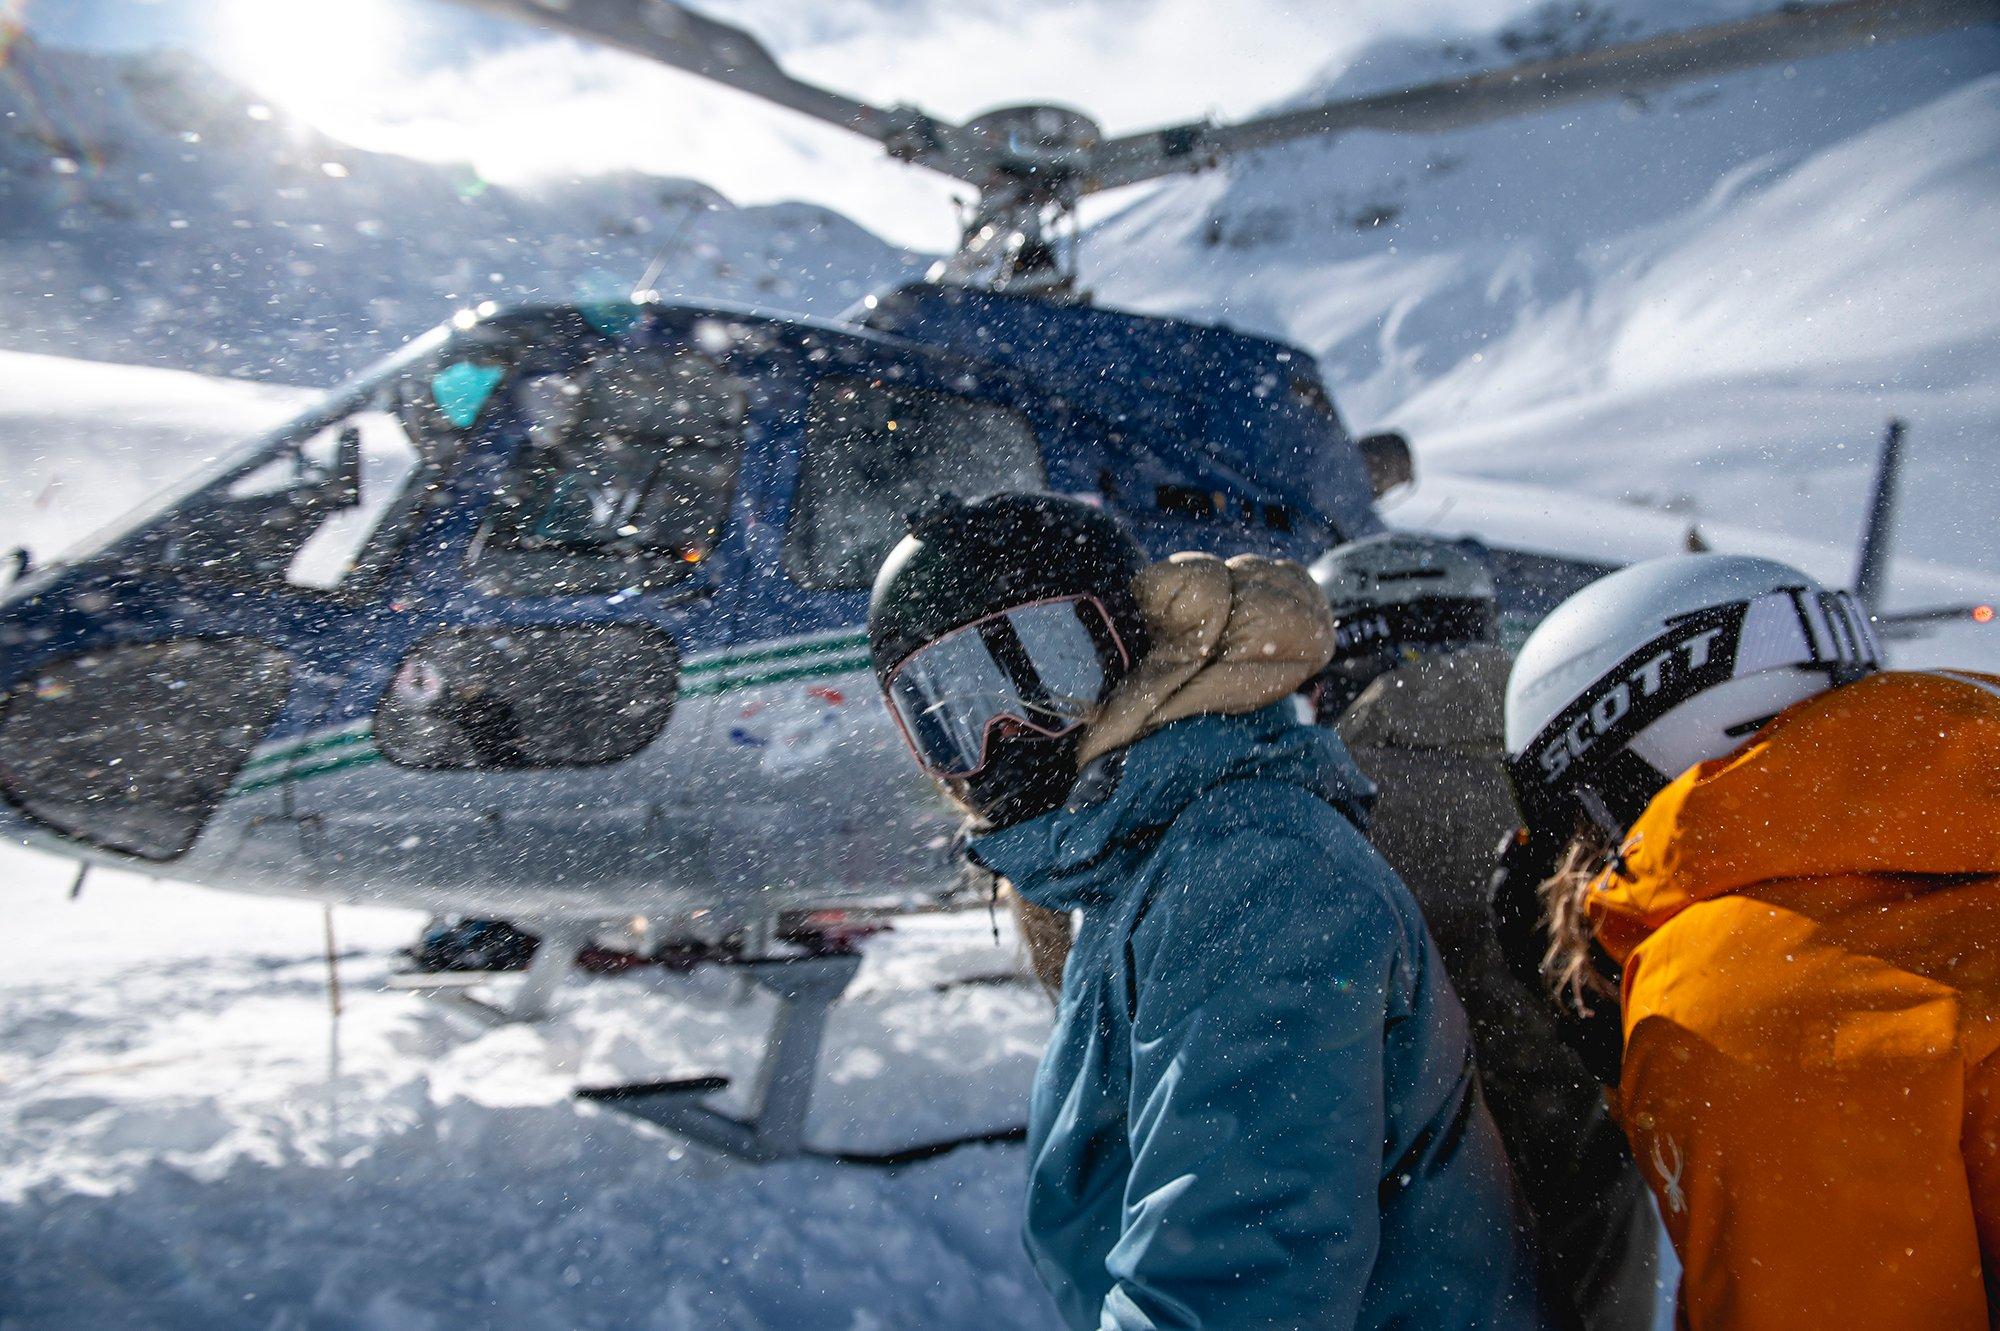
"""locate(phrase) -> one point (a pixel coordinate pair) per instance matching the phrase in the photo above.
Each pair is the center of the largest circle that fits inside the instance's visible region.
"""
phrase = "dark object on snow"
(474, 945)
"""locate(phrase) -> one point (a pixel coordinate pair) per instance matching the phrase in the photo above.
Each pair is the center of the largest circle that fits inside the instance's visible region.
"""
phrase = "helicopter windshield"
(625, 478)
(295, 506)
(301, 516)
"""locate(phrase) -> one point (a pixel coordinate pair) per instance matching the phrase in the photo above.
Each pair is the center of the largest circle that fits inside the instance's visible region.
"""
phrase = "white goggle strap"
(1822, 630)
(1841, 631)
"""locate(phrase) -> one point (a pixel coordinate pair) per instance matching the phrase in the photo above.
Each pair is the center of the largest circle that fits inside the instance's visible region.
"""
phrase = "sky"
(431, 79)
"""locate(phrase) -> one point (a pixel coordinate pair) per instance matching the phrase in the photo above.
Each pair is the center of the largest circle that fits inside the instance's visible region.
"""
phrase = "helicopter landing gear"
(553, 959)
(806, 969)
(806, 988)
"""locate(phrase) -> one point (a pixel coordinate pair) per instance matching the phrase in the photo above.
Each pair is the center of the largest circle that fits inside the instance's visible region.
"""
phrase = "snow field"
(177, 1148)
(1705, 302)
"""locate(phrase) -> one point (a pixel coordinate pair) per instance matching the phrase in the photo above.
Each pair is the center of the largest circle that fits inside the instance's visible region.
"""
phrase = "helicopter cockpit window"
(874, 451)
(624, 479)
(298, 514)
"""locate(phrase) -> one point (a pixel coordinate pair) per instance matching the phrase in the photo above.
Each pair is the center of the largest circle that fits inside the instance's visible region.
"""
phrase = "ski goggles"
(1044, 667)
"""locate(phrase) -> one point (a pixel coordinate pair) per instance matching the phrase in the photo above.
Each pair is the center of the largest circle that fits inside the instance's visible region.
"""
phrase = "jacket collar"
(1081, 854)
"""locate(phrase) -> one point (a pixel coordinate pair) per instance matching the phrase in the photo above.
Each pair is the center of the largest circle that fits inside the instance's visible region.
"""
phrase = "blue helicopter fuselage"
(560, 610)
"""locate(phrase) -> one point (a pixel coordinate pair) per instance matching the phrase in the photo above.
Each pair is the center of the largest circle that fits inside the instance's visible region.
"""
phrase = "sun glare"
(314, 59)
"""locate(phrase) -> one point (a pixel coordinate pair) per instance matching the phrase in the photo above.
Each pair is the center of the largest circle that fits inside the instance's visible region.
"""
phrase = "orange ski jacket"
(1810, 935)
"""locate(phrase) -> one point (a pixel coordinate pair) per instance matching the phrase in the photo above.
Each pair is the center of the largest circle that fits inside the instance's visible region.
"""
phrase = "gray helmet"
(1660, 666)
(1396, 596)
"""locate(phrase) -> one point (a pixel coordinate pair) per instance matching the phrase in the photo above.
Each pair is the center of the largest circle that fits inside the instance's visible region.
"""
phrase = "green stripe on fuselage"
(340, 750)
(265, 781)
(844, 643)
(842, 665)
(311, 744)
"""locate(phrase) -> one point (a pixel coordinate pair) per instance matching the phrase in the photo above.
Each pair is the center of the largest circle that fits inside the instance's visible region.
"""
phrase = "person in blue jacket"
(1258, 1107)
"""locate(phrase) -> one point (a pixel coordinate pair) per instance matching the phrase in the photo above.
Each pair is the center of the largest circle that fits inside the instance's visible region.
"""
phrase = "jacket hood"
(1082, 854)
(1897, 774)
(1226, 638)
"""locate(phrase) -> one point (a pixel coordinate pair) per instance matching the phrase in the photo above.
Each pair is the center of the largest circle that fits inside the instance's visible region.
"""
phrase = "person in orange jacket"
(1784, 863)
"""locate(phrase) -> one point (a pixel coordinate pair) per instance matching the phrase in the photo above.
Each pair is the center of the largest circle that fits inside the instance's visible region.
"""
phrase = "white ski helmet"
(1660, 666)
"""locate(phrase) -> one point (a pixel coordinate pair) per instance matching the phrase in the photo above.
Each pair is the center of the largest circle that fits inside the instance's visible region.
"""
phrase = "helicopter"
(556, 616)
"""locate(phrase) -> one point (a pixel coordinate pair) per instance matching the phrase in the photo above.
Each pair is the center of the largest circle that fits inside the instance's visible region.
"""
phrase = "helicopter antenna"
(1032, 165)
(1871, 576)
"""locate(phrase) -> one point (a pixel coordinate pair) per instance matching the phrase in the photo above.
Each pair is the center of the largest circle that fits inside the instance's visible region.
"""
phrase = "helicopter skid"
(553, 963)
(806, 988)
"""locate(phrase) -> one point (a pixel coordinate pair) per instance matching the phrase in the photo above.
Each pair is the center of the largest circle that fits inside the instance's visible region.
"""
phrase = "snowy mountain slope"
(1723, 334)
(152, 212)
(83, 442)
(1709, 301)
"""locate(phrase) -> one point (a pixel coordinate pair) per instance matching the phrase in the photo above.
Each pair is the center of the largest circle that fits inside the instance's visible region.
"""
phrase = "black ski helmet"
(963, 561)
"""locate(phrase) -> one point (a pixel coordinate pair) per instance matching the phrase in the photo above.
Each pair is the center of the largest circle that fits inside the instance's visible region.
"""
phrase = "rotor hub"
(1045, 144)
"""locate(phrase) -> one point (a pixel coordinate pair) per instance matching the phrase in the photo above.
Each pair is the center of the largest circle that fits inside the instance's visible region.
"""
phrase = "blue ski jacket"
(1258, 1107)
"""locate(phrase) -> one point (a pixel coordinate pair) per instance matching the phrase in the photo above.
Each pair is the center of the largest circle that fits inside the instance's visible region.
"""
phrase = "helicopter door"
(877, 448)
(828, 795)
(523, 728)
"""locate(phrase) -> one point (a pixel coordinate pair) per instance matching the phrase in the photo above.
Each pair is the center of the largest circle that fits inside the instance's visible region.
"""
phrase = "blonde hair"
(1568, 968)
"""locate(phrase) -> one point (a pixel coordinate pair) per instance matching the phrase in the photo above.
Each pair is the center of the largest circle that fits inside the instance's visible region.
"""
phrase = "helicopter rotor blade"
(673, 35)
(1793, 33)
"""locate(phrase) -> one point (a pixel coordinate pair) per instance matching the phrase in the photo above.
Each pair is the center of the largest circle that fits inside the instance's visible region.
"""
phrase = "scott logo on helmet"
(1604, 712)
